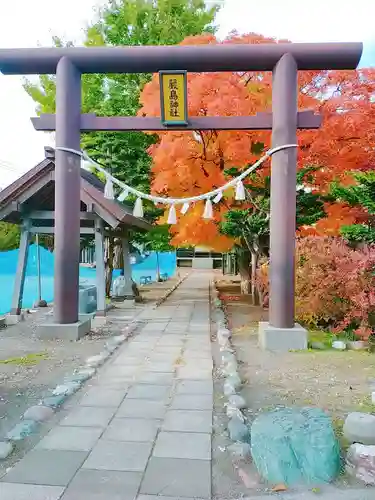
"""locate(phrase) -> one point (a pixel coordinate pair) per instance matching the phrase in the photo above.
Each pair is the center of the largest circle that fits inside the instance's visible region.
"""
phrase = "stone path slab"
(144, 426)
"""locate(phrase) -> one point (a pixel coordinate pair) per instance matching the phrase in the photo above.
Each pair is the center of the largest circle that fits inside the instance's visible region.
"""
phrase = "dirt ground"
(337, 382)
(30, 367)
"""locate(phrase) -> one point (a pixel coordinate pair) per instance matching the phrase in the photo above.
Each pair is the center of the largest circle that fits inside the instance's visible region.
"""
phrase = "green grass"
(366, 406)
(29, 359)
(326, 338)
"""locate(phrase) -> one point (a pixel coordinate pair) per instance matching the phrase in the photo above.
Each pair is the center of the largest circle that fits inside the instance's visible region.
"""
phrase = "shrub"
(335, 285)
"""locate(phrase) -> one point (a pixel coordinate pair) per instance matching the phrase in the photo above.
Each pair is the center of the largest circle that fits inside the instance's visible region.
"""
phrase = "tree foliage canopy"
(193, 163)
(119, 23)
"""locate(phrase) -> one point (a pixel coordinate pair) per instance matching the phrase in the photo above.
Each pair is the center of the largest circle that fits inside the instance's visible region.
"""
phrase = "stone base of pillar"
(14, 319)
(122, 299)
(40, 303)
(127, 303)
(71, 331)
(282, 339)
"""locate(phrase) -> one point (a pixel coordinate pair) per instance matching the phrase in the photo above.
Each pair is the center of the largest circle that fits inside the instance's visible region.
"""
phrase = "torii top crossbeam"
(202, 58)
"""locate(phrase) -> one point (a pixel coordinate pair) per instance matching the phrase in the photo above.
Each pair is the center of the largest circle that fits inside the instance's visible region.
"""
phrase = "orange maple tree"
(191, 163)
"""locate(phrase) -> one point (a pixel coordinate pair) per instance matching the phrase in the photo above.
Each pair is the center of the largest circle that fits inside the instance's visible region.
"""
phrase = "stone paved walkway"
(144, 427)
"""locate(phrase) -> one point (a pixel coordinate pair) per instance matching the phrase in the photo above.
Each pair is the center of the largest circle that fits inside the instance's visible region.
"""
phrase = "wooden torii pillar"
(283, 59)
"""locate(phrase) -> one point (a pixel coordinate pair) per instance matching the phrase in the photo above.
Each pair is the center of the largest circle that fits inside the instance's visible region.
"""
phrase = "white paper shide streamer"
(240, 191)
(172, 216)
(185, 208)
(138, 208)
(208, 212)
(108, 188)
(123, 195)
(218, 197)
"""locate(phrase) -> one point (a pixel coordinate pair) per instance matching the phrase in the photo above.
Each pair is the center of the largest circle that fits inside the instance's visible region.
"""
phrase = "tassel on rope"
(240, 191)
(218, 197)
(123, 195)
(138, 208)
(208, 211)
(172, 217)
(108, 189)
(185, 208)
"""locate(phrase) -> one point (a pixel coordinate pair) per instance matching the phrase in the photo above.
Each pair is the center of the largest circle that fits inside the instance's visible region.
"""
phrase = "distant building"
(198, 258)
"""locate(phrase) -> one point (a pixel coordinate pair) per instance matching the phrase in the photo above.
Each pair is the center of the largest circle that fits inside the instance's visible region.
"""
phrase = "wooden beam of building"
(261, 121)
(50, 215)
(83, 231)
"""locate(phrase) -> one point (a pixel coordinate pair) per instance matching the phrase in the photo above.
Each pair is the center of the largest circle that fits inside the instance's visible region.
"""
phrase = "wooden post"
(19, 280)
(283, 193)
(100, 267)
(67, 193)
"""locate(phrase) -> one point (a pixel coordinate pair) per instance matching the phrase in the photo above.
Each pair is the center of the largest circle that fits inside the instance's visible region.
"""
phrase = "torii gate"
(283, 59)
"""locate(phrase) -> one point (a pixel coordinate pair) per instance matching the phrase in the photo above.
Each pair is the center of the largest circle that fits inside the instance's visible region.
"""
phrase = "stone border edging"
(35, 415)
(239, 432)
(170, 291)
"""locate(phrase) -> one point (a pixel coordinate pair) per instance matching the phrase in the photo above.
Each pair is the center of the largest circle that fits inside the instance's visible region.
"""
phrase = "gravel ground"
(33, 366)
(337, 382)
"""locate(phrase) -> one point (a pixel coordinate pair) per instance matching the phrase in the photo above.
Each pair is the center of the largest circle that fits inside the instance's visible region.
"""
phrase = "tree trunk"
(118, 259)
(109, 251)
(254, 265)
(244, 270)
(157, 268)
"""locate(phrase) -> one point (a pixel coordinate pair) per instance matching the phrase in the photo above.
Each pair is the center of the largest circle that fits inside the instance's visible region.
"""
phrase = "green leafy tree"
(9, 236)
(362, 196)
(127, 23)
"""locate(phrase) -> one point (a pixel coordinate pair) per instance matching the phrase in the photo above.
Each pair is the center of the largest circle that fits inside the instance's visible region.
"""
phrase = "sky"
(21, 148)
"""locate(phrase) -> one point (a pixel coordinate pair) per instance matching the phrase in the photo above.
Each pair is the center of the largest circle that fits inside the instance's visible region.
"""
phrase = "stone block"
(49, 467)
(66, 389)
(237, 401)
(192, 402)
(195, 387)
(99, 321)
(103, 485)
(72, 331)
(38, 413)
(150, 392)
(188, 421)
(193, 373)
(70, 439)
(360, 463)
(282, 339)
(95, 361)
(360, 428)
(88, 416)
(22, 430)
(12, 491)
(81, 375)
(238, 431)
(53, 401)
(104, 397)
(14, 319)
(132, 430)
(178, 482)
(189, 445)
(6, 448)
(156, 378)
(118, 456)
(142, 408)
